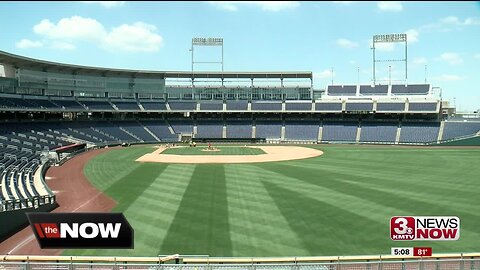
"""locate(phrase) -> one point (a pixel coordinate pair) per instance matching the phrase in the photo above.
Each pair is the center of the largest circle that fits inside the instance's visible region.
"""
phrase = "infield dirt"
(272, 153)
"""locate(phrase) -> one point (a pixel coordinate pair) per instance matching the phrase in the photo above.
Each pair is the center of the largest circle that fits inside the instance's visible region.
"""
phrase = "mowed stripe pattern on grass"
(336, 204)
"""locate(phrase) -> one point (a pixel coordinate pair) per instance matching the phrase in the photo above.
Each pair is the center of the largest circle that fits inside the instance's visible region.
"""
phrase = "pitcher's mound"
(272, 153)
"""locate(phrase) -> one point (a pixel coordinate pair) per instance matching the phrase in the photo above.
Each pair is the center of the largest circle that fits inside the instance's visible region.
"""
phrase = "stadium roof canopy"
(18, 61)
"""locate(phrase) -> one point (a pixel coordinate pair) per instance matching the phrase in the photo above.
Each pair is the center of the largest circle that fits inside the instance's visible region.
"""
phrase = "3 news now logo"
(424, 228)
(81, 230)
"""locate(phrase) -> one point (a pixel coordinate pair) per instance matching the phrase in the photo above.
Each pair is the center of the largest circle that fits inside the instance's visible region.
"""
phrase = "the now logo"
(75, 230)
(81, 230)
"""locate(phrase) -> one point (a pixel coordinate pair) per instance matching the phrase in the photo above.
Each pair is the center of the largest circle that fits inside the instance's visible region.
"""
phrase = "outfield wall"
(473, 141)
(467, 261)
(18, 220)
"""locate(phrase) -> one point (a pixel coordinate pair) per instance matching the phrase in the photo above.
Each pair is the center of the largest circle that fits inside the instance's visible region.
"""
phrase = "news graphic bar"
(412, 228)
(411, 251)
(81, 230)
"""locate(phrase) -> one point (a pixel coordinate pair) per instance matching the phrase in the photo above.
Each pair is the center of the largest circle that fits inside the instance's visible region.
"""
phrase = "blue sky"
(258, 36)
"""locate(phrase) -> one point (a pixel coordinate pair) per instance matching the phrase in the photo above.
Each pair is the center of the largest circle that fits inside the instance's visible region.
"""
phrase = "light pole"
(389, 75)
(358, 75)
(331, 73)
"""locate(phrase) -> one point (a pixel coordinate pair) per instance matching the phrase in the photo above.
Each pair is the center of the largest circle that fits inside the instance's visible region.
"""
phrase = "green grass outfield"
(224, 150)
(336, 204)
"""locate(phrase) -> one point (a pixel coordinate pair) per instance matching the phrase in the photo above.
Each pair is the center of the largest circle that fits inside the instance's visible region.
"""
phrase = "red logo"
(402, 228)
(424, 228)
(47, 230)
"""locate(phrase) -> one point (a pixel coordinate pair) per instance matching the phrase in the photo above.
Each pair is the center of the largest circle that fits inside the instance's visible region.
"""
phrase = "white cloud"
(450, 20)
(448, 78)
(346, 44)
(477, 56)
(451, 58)
(327, 73)
(453, 20)
(136, 37)
(451, 23)
(420, 61)
(227, 5)
(27, 44)
(75, 27)
(394, 6)
(412, 35)
(59, 45)
(139, 37)
(273, 6)
(107, 4)
(472, 21)
(346, 3)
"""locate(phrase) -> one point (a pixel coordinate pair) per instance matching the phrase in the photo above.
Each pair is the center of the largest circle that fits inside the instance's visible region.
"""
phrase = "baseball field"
(339, 203)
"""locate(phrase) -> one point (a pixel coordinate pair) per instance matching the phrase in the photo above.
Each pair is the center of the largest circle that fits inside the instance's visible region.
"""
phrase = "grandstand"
(47, 106)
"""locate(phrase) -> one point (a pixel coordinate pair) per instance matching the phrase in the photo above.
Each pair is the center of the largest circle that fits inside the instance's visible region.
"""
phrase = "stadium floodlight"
(206, 41)
(390, 38)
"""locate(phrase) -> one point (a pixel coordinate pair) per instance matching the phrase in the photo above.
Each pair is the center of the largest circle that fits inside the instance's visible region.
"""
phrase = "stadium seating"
(237, 105)
(266, 105)
(126, 105)
(182, 105)
(339, 131)
(459, 129)
(15, 103)
(423, 106)
(378, 132)
(350, 106)
(68, 104)
(114, 131)
(97, 105)
(411, 89)
(136, 129)
(239, 128)
(340, 90)
(419, 132)
(7, 102)
(43, 103)
(211, 106)
(298, 106)
(154, 105)
(184, 126)
(159, 128)
(328, 106)
(268, 129)
(388, 107)
(86, 129)
(301, 130)
(373, 90)
(209, 129)
(16, 176)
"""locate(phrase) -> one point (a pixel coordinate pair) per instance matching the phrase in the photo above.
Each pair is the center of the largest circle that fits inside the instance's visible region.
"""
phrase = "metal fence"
(410, 264)
(26, 203)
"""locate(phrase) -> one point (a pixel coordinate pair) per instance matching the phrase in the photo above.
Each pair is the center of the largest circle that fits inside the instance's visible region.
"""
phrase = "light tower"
(389, 38)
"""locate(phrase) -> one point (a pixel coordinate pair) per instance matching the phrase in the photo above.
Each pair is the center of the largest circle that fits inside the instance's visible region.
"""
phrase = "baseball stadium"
(233, 170)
